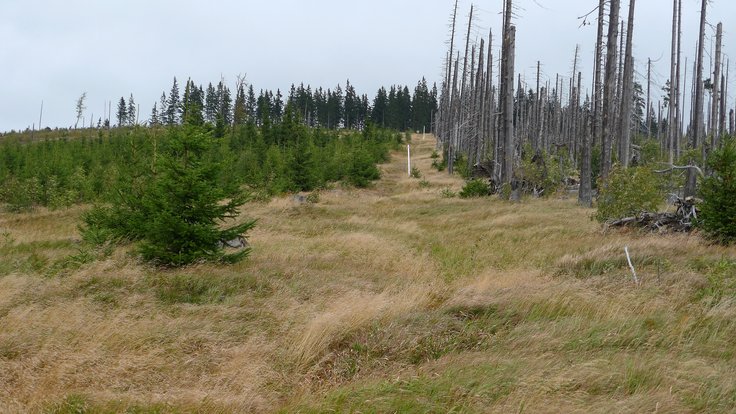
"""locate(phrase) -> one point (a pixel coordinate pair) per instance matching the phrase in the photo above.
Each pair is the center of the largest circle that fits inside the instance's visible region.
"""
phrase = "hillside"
(397, 298)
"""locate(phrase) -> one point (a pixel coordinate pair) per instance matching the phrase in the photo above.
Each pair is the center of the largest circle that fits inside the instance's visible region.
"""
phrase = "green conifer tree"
(122, 112)
(186, 204)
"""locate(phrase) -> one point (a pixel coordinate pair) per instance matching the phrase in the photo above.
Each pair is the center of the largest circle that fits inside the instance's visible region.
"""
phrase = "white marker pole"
(424, 132)
(408, 160)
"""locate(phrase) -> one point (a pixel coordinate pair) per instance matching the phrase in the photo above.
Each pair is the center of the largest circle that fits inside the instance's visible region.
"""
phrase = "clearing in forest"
(398, 298)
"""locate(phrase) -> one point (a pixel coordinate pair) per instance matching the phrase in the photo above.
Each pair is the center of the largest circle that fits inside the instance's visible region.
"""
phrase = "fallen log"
(680, 221)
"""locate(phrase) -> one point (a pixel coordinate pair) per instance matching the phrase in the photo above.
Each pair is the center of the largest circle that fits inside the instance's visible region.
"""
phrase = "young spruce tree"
(175, 212)
(186, 204)
(718, 210)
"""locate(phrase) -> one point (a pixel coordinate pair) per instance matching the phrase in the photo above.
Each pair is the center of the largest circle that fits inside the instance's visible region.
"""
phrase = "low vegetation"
(719, 195)
(395, 298)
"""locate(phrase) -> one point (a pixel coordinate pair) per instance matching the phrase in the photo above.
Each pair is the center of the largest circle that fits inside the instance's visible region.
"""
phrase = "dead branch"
(684, 167)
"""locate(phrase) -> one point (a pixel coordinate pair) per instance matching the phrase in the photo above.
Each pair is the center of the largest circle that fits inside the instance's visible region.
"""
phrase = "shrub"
(629, 192)
(475, 188)
(177, 217)
(718, 210)
(21, 195)
(463, 168)
(543, 171)
(415, 173)
(439, 165)
(363, 169)
(448, 193)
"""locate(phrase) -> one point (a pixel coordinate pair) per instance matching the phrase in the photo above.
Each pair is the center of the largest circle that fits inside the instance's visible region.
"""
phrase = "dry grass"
(391, 299)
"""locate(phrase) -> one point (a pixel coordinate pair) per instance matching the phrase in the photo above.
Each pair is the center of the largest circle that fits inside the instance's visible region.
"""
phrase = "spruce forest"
(500, 239)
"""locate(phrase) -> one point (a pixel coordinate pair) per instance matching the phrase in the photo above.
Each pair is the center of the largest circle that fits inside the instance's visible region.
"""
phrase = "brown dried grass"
(396, 283)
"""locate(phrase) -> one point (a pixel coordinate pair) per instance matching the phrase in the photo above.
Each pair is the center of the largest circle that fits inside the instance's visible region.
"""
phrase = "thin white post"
(631, 265)
(424, 132)
(408, 160)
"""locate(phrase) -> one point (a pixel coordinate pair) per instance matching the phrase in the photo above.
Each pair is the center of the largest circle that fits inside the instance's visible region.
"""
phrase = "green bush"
(650, 152)
(448, 193)
(177, 218)
(718, 210)
(21, 195)
(629, 192)
(475, 188)
(363, 170)
(542, 171)
(439, 165)
(415, 173)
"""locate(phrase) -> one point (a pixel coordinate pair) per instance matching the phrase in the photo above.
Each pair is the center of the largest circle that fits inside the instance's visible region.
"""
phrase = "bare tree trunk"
(698, 106)
(463, 110)
(716, 92)
(671, 124)
(455, 111)
(509, 142)
(537, 111)
(679, 105)
(598, 86)
(445, 132)
(628, 92)
(585, 194)
(506, 94)
(609, 90)
(649, 95)
(724, 100)
(480, 104)
(490, 122)
(698, 110)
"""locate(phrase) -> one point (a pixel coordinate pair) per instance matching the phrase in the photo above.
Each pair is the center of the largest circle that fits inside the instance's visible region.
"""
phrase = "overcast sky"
(53, 50)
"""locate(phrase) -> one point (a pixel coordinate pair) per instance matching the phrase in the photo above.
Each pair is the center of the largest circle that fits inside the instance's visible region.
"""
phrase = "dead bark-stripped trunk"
(679, 104)
(619, 86)
(480, 104)
(491, 104)
(455, 125)
(627, 93)
(697, 123)
(509, 142)
(446, 114)
(598, 86)
(573, 104)
(506, 93)
(585, 193)
(660, 120)
(649, 95)
(724, 101)
(464, 112)
(671, 124)
(609, 90)
(716, 92)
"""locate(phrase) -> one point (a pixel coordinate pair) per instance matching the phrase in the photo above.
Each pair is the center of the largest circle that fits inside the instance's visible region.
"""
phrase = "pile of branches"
(681, 221)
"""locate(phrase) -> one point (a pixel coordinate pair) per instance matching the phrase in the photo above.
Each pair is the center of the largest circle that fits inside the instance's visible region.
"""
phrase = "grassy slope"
(393, 299)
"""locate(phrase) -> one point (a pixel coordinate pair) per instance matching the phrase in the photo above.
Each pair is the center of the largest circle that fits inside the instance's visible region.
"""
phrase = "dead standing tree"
(609, 90)
(507, 53)
(627, 93)
(697, 119)
(716, 92)
(672, 135)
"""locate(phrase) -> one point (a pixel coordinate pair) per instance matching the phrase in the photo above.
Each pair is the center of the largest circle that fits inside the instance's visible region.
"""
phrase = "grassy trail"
(392, 299)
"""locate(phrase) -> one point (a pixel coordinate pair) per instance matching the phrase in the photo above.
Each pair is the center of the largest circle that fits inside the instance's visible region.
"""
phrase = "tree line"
(396, 107)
